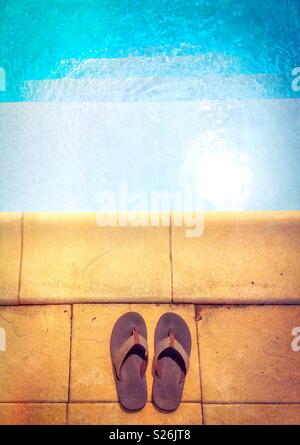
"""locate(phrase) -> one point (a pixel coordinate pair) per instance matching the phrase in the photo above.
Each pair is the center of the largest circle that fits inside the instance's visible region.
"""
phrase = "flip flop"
(129, 354)
(172, 343)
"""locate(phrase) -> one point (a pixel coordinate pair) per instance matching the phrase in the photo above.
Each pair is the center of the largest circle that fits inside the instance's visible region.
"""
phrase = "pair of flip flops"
(129, 353)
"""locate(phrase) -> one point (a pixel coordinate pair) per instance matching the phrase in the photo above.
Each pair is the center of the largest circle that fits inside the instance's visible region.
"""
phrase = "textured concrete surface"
(243, 366)
(112, 414)
(246, 257)
(91, 372)
(251, 414)
(35, 365)
(246, 354)
(243, 355)
(240, 258)
(33, 413)
(10, 255)
(69, 258)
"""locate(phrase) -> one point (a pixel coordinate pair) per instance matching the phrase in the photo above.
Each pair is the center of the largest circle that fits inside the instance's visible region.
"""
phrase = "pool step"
(212, 76)
(159, 89)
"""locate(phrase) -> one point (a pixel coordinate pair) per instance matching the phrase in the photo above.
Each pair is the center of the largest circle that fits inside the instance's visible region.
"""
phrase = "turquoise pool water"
(158, 95)
(51, 39)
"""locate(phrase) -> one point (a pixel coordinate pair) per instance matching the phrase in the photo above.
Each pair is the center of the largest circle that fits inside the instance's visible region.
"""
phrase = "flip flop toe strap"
(170, 342)
(136, 339)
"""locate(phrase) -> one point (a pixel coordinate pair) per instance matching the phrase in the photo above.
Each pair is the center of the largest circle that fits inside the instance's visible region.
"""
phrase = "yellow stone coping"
(10, 256)
(246, 257)
(236, 258)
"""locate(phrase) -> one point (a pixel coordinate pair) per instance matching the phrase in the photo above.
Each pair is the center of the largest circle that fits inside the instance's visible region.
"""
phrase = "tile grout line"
(70, 365)
(171, 259)
(99, 402)
(86, 402)
(21, 258)
(197, 308)
(160, 302)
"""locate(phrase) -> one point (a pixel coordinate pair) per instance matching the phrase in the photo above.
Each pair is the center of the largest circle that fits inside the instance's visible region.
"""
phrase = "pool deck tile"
(247, 354)
(33, 413)
(270, 414)
(35, 365)
(112, 414)
(91, 368)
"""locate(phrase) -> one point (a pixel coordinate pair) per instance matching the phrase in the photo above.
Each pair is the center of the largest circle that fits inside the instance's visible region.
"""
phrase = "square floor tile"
(35, 364)
(33, 413)
(252, 414)
(91, 368)
(247, 355)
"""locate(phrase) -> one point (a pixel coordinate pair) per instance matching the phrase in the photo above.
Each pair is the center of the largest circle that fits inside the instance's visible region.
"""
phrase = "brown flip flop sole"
(129, 354)
(172, 342)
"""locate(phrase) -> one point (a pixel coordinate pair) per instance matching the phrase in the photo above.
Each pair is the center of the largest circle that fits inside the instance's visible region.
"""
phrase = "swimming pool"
(198, 96)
